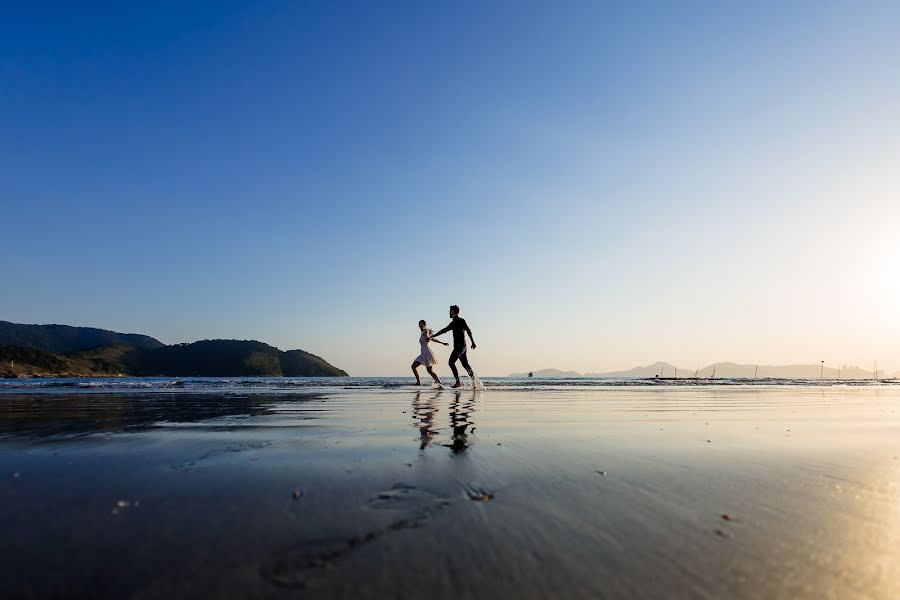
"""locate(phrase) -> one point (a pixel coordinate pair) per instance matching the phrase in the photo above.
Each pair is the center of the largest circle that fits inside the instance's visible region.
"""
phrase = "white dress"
(426, 357)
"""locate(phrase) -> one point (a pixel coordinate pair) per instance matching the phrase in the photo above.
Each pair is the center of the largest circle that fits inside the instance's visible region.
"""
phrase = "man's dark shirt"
(458, 326)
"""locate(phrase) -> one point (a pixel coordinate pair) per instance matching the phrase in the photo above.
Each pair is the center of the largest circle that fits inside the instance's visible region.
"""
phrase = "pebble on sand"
(480, 496)
(123, 504)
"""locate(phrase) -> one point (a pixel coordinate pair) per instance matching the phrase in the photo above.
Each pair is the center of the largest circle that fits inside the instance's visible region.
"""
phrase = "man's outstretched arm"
(469, 331)
(442, 331)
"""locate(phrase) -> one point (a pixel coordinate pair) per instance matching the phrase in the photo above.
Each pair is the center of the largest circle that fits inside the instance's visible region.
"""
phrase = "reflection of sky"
(807, 476)
(597, 187)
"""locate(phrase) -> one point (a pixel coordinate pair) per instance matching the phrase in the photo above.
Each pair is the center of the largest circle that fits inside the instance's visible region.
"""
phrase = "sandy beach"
(374, 492)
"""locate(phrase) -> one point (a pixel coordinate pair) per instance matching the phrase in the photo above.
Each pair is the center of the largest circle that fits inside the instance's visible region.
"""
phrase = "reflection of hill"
(84, 414)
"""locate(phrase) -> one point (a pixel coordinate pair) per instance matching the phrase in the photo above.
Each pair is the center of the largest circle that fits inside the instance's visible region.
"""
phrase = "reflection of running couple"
(459, 327)
(425, 410)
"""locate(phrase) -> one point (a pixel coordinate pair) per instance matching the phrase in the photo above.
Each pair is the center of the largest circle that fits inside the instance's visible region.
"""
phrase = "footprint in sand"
(414, 506)
(211, 454)
(302, 565)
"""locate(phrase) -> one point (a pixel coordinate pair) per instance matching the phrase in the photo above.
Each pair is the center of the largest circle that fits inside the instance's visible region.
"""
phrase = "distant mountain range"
(65, 351)
(723, 369)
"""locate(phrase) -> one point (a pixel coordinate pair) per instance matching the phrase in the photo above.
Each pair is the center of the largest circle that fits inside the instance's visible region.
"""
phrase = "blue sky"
(597, 185)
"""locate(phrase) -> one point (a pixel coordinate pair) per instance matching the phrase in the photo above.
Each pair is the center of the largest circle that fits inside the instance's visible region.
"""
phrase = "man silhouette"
(459, 327)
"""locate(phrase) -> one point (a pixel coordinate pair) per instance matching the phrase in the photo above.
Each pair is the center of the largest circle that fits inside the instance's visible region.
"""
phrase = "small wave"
(475, 382)
(286, 385)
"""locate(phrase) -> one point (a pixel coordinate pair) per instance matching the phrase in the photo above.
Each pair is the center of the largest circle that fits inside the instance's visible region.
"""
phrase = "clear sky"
(596, 184)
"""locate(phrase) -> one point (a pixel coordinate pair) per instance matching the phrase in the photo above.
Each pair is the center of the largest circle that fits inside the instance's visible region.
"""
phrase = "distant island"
(723, 369)
(66, 351)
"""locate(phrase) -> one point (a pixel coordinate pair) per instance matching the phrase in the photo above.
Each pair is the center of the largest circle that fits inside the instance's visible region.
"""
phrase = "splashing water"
(475, 383)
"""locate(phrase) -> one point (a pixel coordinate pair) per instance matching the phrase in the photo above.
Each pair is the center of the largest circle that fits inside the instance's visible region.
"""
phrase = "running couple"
(459, 327)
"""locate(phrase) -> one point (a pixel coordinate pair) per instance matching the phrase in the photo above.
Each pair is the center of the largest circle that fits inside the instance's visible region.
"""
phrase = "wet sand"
(690, 492)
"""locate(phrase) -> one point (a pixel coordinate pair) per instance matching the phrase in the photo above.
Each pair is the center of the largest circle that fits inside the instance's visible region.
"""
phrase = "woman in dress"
(426, 357)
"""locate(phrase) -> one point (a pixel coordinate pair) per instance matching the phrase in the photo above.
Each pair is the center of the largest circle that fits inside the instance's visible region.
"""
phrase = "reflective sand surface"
(615, 492)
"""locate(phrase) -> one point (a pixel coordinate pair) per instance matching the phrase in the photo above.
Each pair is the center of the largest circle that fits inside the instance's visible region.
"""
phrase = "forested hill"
(230, 358)
(60, 339)
(63, 351)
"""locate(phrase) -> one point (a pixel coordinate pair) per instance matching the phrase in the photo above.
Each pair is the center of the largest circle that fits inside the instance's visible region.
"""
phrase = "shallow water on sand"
(744, 491)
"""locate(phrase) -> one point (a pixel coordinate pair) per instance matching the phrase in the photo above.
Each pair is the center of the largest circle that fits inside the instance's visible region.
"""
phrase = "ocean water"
(287, 385)
(373, 488)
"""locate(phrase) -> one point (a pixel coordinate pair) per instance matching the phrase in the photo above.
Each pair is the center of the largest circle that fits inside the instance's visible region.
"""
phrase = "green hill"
(230, 358)
(297, 363)
(26, 351)
(16, 361)
(61, 339)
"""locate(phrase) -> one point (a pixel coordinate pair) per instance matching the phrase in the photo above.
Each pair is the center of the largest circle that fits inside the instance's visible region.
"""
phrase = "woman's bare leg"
(433, 375)
(415, 368)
